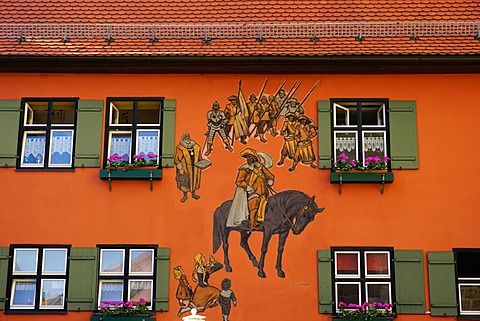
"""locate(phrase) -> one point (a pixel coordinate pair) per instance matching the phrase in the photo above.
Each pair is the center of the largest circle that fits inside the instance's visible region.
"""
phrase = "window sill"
(121, 318)
(382, 178)
(137, 174)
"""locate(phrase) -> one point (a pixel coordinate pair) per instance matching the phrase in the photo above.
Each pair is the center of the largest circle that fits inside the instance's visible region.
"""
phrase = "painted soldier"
(289, 142)
(236, 120)
(216, 122)
(304, 134)
(255, 179)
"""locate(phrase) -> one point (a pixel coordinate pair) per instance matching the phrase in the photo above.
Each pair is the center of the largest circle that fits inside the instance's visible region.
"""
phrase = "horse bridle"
(300, 212)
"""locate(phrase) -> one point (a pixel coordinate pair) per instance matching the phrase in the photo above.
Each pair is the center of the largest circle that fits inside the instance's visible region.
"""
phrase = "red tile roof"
(437, 40)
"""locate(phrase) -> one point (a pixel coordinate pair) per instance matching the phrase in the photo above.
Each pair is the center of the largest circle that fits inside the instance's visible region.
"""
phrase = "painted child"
(226, 297)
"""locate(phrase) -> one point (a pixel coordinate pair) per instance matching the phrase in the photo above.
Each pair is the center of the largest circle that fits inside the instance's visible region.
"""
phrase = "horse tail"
(218, 227)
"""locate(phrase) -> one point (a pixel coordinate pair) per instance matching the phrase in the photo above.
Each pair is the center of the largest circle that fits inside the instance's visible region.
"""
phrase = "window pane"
(34, 149)
(53, 293)
(374, 144)
(55, 261)
(470, 297)
(111, 291)
(23, 294)
(377, 264)
(63, 112)
(468, 264)
(141, 289)
(346, 143)
(61, 147)
(141, 261)
(378, 292)
(121, 144)
(36, 113)
(148, 112)
(121, 112)
(347, 264)
(148, 143)
(345, 114)
(373, 114)
(348, 293)
(111, 261)
(25, 261)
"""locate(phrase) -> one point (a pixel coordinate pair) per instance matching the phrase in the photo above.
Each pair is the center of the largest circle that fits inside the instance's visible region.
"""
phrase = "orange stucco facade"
(432, 208)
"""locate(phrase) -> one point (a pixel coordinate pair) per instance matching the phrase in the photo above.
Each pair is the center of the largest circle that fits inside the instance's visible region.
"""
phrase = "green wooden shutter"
(403, 134)
(89, 133)
(163, 277)
(324, 135)
(325, 299)
(168, 133)
(409, 282)
(9, 121)
(82, 281)
(4, 252)
(441, 277)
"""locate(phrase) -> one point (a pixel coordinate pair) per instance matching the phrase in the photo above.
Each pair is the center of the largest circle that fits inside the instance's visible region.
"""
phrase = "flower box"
(140, 173)
(145, 317)
(361, 177)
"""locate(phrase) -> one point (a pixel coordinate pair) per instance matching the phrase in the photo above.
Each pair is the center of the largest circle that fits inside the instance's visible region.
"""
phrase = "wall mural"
(256, 206)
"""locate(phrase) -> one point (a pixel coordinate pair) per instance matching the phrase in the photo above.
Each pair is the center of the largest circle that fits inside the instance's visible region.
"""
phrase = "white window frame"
(347, 118)
(384, 283)
(384, 142)
(335, 142)
(14, 272)
(25, 135)
(157, 147)
(140, 280)
(347, 276)
(360, 299)
(130, 272)
(101, 282)
(70, 150)
(462, 311)
(51, 307)
(64, 267)
(159, 113)
(102, 272)
(13, 292)
(373, 276)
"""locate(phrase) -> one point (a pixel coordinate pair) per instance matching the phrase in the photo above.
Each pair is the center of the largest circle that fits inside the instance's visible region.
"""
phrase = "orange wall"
(430, 209)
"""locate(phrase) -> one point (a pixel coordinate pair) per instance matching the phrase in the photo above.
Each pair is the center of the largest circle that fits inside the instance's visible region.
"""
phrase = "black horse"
(287, 210)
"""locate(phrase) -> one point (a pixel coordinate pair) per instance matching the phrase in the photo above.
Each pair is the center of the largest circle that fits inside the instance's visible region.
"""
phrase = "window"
(362, 274)
(468, 280)
(47, 133)
(360, 129)
(126, 274)
(133, 127)
(38, 279)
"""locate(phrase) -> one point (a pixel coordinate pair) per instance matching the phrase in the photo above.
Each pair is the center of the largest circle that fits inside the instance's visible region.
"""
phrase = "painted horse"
(285, 211)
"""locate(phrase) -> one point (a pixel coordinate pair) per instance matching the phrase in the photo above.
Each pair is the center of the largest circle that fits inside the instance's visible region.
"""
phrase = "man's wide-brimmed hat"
(232, 98)
(248, 152)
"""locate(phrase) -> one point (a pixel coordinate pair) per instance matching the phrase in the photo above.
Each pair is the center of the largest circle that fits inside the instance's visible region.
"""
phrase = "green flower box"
(361, 177)
(121, 318)
(142, 173)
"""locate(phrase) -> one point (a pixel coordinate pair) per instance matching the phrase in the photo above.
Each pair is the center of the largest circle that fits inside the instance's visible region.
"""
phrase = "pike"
(269, 104)
(309, 93)
(258, 100)
(292, 91)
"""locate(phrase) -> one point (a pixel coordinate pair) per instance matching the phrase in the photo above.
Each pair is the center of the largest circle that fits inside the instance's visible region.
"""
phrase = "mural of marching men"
(236, 115)
(254, 182)
(288, 130)
(189, 165)
(216, 122)
(305, 131)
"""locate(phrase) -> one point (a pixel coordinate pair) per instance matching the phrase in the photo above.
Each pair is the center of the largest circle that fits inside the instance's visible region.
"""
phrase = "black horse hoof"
(261, 274)
(280, 274)
(228, 268)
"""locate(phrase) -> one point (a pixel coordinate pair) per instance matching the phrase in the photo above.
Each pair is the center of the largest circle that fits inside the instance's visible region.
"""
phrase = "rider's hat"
(248, 152)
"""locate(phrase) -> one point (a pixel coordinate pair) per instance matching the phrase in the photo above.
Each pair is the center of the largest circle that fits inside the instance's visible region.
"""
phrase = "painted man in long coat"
(253, 180)
(304, 133)
(187, 153)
